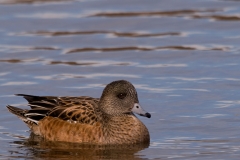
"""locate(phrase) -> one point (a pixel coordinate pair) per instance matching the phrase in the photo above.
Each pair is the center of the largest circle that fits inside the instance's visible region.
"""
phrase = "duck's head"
(120, 98)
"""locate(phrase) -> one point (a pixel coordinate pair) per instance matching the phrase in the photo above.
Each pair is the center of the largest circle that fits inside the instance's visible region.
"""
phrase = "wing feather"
(72, 109)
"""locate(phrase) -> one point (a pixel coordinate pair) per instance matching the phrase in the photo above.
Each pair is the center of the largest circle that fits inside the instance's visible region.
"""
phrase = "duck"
(109, 119)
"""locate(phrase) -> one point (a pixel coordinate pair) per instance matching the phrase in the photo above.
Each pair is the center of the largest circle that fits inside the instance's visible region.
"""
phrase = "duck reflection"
(37, 147)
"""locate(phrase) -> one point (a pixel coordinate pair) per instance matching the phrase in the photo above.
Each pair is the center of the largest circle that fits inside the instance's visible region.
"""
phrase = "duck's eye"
(121, 95)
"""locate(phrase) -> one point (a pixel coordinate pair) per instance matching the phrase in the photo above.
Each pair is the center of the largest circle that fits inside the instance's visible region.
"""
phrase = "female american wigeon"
(108, 120)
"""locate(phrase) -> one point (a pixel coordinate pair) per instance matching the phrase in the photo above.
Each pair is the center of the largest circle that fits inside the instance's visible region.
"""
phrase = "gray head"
(120, 98)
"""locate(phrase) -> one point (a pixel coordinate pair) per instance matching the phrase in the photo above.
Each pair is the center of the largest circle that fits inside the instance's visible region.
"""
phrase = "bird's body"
(108, 120)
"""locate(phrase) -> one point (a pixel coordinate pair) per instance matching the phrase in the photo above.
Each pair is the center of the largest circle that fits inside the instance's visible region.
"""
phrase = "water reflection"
(39, 148)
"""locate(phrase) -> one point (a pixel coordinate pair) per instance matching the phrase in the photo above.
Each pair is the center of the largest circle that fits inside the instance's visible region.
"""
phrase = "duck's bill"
(139, 110)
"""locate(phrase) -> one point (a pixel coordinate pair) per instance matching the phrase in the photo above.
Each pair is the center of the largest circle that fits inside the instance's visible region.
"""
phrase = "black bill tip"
(148, 115)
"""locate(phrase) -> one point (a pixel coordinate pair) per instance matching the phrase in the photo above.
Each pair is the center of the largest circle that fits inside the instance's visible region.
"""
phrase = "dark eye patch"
(122, 95)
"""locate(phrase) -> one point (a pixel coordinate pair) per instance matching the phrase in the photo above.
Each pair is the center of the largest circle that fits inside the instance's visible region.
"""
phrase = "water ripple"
(196, 14)
(152, 13)
(17, 83)
(20, 60)
(194, 148)
(167, 90)
(162, 65)
(175, 13)
(51, 15)
(70, 76)
(4, 73)
(89, 63)
(97, 64)
(15, 48)
(9, 2)
(109, 33)
(109, 49)
(74, 63)
(145, 48)
(219, 17)
(226, 104)
(186, 141)
(200, 79)
(212, 115)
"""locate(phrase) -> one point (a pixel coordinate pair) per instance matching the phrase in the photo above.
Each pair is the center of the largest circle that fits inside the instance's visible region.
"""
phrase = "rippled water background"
(182, 56)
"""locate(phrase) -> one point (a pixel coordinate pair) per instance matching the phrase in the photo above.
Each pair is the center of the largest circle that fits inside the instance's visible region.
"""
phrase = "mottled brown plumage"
(108, 120)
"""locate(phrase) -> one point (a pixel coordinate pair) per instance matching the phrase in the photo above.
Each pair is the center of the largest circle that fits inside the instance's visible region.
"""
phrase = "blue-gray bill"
(140, 111)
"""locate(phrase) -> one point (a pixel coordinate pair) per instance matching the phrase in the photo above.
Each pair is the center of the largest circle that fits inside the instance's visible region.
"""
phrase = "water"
(182, 56)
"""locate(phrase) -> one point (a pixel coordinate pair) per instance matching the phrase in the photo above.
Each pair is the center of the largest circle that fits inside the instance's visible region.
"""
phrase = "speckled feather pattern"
(86, 119)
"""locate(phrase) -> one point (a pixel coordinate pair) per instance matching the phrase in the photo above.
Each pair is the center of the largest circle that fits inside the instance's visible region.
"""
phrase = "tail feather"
(18, 112)
(30, 120)
(40, 106)
(25, 116)
(30, 98)
(40, 101)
